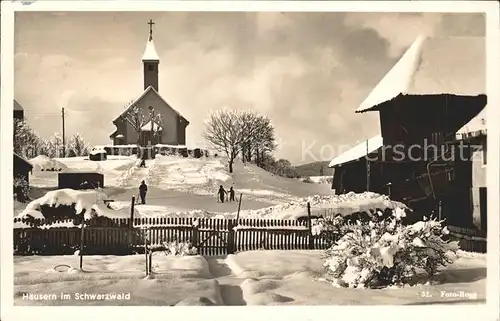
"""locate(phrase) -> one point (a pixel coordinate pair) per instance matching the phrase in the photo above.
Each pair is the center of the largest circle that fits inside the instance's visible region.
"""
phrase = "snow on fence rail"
(124, 236)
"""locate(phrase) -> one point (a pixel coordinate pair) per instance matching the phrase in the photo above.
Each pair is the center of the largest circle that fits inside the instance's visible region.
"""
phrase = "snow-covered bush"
(382, 251)
(176, 248)
(21, 189)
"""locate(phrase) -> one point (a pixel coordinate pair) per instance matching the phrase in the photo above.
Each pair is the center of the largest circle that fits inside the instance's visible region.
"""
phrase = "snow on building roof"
(134, 102)
(475, 126)
(22, 159)
(17, 106)
(150, 52)
(453, 65)
(360, 150)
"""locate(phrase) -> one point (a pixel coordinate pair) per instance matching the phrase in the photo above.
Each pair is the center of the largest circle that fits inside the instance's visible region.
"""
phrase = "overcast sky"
(307, 71)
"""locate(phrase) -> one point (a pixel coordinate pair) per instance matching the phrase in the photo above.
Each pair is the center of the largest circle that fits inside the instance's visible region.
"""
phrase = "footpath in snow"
(229, 283)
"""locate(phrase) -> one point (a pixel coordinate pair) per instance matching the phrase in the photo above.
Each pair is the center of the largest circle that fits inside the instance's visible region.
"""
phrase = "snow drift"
(82, 200)
(44, 163)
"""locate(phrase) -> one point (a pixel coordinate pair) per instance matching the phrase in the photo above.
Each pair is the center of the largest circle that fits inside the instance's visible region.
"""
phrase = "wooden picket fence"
(469, 239)
(125, 236)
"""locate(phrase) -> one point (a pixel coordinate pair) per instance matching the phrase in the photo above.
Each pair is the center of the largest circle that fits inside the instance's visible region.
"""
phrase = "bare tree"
(77, 146)
(156, 120)
(136, 118)
(264, 141)
(239, 132)
(259, 136)
(224, 132)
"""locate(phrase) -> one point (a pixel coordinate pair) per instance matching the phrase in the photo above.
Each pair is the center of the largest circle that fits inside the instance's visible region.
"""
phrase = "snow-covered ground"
(178, 185)
(251, 278)
(177, 281)
(294, 278)
(320, 179)
(93, 200)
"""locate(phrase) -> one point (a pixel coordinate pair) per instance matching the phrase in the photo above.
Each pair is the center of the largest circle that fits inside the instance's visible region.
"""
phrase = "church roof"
(150, 88)
(150, 52)
(17, 106)
(452, 65)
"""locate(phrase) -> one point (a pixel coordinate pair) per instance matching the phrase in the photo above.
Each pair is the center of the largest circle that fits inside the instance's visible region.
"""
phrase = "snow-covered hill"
(180, 185)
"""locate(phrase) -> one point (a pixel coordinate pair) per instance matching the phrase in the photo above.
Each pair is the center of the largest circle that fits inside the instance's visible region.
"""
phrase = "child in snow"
(231, 194)
(143, 189)
(222, 192)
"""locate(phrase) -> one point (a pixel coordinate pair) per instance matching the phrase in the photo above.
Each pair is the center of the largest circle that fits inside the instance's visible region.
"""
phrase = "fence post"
(131, 222)
(195, 236)
(309, 227)
(230, 236)
(440, 210)
(146, 250)
(239, 207)
(150, 262)
(82, 240)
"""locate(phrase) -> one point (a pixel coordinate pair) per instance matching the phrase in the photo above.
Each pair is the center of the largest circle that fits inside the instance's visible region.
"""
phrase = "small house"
(353, 171)
(22, 169)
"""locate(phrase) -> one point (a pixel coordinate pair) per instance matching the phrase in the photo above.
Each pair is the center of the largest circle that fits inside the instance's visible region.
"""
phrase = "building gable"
(150, 91)
(449, 65)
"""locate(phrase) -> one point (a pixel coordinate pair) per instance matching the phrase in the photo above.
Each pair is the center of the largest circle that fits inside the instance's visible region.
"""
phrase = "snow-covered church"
(149, 119)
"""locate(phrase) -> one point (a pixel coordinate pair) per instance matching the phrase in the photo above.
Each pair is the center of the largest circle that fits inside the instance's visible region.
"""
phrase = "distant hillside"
(314, 169)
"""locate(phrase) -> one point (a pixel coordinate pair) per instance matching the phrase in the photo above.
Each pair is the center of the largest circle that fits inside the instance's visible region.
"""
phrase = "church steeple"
(150, 61)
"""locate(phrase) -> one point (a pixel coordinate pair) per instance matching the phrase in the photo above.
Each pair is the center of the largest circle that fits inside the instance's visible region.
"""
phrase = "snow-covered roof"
(453, 65)
(17, 106)
(476, 125)
(23, 160)
(133, 103)
(150, 52)
(147, 127)
(360, 150)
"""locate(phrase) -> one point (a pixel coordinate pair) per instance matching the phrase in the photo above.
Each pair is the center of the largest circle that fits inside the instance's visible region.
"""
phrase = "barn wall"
(479, 187)
(411, 119)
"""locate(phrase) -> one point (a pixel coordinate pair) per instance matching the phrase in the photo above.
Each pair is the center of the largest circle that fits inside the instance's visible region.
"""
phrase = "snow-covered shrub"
(21, 189)
(175, 248)
(307, 180)
(382, 251)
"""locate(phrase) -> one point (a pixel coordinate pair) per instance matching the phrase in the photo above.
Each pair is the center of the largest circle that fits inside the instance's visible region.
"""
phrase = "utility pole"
(63, 134)
(367, 169)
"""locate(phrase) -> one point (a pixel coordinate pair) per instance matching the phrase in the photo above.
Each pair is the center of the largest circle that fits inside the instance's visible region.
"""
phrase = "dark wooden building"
(18, 111)
(80, 180)
(435, 89)
(22, 168)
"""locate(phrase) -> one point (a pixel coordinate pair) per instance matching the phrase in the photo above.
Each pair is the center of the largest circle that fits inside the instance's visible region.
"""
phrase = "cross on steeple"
(150, 23)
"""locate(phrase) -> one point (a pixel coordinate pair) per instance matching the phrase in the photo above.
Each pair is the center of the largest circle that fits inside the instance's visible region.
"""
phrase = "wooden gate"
(214, 237)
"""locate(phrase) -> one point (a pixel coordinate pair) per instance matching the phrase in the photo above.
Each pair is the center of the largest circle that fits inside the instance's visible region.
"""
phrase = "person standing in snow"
(143, 189)
(222, 192)
(231, 194)
(142, 163)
